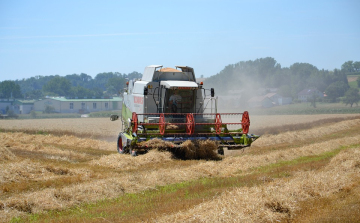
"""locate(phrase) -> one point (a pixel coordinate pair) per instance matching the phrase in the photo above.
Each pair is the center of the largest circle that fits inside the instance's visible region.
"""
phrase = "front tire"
(120, 147)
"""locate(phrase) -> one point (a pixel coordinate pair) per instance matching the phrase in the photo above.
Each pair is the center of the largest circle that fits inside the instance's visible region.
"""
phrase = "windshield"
(179, 101)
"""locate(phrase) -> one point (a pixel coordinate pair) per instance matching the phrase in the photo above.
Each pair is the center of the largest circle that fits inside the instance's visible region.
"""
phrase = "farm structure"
(67, 105)
(17, 106)
(269, 100)
(307, 94)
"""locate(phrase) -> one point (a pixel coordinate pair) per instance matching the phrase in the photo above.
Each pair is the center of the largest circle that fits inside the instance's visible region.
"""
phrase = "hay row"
(15, 139)
(134, 181)
(104, 127)
(80, 126)
(275, 201)
(94, 190)
(289, 137)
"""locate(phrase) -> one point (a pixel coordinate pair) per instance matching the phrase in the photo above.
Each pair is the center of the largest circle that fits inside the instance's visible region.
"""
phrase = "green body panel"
(125, 114)
(128, 136)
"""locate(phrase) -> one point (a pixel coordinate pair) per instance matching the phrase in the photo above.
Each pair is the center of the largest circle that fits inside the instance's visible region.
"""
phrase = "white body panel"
(177, 84)
(160, 83)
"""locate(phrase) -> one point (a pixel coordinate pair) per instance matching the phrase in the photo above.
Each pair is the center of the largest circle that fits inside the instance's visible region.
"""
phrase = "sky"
(42, 37)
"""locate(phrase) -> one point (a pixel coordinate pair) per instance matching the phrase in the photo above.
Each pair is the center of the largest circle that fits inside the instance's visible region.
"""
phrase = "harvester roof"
(179, 84)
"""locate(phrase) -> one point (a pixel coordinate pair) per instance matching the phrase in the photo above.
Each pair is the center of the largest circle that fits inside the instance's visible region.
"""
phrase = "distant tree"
(10, 89)
(336, 90)
(313, 99)
(34, 94)
(339, 75)
(348, 66)
(33, 114)
(352, 96)
(304, 70)
(59, 86)
(80, 92)
(11, 114)
(102, 79)
(133, 75)
(356, 66)
(115, 85)
(285, 91)
(49, 109)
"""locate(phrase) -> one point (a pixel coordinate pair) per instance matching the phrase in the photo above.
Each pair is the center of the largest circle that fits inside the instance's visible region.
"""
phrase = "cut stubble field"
(72, 172)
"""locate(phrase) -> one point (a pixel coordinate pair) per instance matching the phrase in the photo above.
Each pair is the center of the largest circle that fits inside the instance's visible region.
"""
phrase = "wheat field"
(75, 163)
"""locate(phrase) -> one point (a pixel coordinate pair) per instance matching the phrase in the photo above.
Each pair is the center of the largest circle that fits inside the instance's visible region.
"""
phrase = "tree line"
(263, 73)
(266, 73)
(72, 85)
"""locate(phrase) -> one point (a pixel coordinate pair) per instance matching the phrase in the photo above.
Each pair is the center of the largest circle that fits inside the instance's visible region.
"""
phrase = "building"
(5, 105)
(284, 100)
(23, 106)
(260, 102)
(309, 93)
(71, 105)
(274, 97)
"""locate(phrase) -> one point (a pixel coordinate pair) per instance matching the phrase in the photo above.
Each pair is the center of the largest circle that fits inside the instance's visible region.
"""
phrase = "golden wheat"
(126, 174)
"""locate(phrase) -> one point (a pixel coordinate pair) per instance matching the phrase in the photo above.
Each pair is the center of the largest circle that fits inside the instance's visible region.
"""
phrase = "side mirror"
(114, 117)
(212, 92)
(145, 91)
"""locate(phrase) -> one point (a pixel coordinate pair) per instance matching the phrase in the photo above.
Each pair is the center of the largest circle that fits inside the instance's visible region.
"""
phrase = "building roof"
(24, 102)
(269, 95)
(85, 100)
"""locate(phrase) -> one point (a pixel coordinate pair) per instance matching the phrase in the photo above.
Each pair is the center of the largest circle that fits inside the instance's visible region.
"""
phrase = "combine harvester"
(168, 104)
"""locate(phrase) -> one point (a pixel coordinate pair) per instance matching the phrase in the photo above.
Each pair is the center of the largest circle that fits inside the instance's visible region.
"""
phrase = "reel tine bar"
(190, 122)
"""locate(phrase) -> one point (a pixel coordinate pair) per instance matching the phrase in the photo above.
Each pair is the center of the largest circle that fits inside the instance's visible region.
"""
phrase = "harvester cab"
(169, 104)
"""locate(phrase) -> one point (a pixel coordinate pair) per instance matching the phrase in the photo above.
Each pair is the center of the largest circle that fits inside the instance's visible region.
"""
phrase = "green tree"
(313, 99)
(348, 66)
(35, 94)
(115, 85)
(352, 97)
(11, 114)
(358, 81)
(336, 90)
(59, 86)
(10, 89)
(356, 66)
(33, 114)
(285, 91)
(81, 92)
(49, 109)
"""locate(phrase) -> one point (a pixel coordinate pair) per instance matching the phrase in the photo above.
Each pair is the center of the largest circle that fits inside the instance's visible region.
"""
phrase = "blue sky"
(66, 37)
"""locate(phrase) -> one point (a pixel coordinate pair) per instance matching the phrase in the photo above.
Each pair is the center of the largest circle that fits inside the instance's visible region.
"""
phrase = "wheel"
(120, 147)
(190, 124)
(134, 122)
(218, 123)
(245, 122)
(162, 124)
